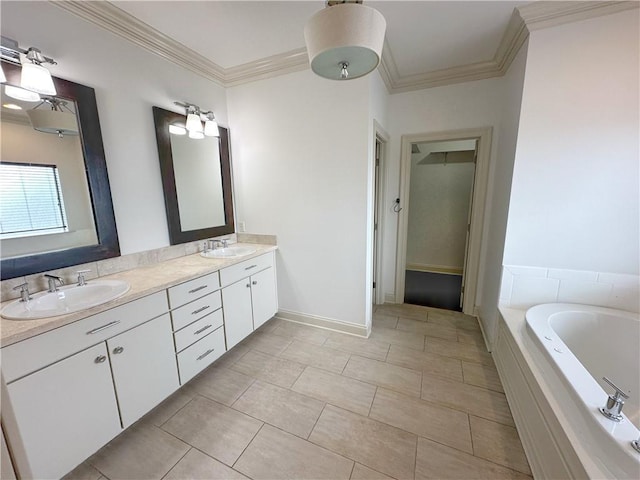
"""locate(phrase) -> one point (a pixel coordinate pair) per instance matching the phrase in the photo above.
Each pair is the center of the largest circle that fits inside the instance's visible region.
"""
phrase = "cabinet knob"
(248, 285)
(100, 359)
(254, 283)
(118, 350)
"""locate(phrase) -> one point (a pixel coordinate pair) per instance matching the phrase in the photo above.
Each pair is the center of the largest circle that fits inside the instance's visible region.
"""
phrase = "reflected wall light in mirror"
(196, 179)
(88, 232)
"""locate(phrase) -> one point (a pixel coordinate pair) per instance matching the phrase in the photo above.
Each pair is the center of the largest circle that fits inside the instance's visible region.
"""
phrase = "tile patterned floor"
(420, 399)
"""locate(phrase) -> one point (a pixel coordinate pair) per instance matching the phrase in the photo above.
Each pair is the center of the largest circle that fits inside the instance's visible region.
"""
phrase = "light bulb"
(196, 135)
(36, 78)
(21, 94)
(211, 128)
(344, 73)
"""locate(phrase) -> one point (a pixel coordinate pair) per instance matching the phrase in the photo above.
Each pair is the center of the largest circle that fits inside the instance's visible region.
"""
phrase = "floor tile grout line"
(353, 467)
(178, 411)
(247, 446)
(415, 458)
(174, 465)
(316, 422)
(473, 448)
(475, 456)
(373, 399)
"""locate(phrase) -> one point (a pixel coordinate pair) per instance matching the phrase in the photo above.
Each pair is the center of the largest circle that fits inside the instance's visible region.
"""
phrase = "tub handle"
(618, 390)
(613, 408)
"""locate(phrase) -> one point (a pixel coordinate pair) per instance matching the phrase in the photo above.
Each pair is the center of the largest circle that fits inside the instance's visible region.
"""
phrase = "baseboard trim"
(425, 267)
(389, 298)
(323, 322)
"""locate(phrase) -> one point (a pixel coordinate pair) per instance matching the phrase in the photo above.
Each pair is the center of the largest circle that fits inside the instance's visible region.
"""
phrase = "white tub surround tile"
(589, 293)
(529, 291)
(523, 287)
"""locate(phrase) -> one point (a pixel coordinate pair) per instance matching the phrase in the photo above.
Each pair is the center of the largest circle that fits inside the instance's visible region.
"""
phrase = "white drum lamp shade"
(342, 35)
(53, 121)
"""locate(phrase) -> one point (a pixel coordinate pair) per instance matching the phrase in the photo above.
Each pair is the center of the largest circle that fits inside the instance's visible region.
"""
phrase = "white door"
(263, 296)
(144, 367)
(468, 233)
(236, 305)
(65, 413)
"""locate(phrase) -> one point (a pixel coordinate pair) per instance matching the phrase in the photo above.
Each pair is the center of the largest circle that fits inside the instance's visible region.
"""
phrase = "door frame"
(480, 185)
(379, 135)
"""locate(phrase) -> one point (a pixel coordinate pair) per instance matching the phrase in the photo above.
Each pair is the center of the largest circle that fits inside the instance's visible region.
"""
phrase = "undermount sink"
(226, 252)
(68, 299)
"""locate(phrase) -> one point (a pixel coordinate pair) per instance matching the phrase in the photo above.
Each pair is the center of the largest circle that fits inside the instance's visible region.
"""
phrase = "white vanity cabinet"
(249, 296)
(71, 390)
(61, 414)
(197, 321)
(144, 367)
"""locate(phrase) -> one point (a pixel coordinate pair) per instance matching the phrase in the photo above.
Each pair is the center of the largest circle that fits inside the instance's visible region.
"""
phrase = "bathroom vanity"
(72, 383)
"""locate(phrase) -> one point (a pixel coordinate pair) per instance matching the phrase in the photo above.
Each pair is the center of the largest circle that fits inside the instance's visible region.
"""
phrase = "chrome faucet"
(613, 408)
(53, 282)
(81, 280)
(24, 292)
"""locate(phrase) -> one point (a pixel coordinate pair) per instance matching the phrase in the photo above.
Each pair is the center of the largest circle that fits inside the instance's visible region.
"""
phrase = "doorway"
(443, 183)
(440, 190)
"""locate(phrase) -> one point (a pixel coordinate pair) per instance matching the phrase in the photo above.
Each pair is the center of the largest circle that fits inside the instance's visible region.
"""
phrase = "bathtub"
(564, 351)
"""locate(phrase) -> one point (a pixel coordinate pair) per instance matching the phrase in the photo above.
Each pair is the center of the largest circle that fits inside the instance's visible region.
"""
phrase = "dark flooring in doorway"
(439, 290)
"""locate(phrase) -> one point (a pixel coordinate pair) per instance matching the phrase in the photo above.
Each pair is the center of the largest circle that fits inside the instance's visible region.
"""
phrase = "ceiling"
(428, 43)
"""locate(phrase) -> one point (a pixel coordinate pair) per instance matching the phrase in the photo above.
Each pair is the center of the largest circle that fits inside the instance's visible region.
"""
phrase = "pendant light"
(344, 41)
(55, 119)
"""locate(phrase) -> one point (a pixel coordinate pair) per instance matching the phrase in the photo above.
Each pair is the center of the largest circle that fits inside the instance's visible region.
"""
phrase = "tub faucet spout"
(613, 408)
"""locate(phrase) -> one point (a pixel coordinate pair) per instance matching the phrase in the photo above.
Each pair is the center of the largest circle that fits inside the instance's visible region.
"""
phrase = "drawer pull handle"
(205, 354)
(198, 289)
(206, 327)
(195, 312)
(250, 267)
(118, 350)
(103, 327)
(100, 359)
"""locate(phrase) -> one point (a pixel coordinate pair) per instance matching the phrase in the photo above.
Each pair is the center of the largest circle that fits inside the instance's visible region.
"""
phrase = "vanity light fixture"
(12, 106)
(211, 125)
(344, 41)
(177, 130)
(21, 94)
(34, 76)
(194, 122)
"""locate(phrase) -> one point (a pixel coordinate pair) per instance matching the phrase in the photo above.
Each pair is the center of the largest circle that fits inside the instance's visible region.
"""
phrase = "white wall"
(574, 198)
(128, 82)
(498, 198)
(301, 167)
(455, 107)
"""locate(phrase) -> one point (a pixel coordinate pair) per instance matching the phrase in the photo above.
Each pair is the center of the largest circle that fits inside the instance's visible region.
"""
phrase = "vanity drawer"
(244, 269)
(189, 313)
(196, 288)
(200, 355)
(37, 352)
(197, 330)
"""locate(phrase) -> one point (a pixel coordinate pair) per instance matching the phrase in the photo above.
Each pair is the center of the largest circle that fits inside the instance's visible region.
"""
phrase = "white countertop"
(143, 280)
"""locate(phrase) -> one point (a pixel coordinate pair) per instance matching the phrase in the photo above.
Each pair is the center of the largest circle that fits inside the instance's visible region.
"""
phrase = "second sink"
(233, 251)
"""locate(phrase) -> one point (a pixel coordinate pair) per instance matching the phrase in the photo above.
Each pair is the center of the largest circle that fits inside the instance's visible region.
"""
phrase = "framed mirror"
(196, 179)
(60, 170)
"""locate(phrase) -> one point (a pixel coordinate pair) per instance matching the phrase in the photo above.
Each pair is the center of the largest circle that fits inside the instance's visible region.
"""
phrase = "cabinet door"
(236, 305)
(263, 296)
(61, 414)
(144, 367)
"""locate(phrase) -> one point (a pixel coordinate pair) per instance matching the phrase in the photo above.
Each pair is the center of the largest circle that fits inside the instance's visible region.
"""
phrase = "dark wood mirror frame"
(164, 118)
(99, 189)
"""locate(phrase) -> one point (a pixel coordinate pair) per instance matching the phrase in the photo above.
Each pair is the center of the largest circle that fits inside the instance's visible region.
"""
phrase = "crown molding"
(288, 62)
(547, 14)
(119, 22)
(533, 16)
